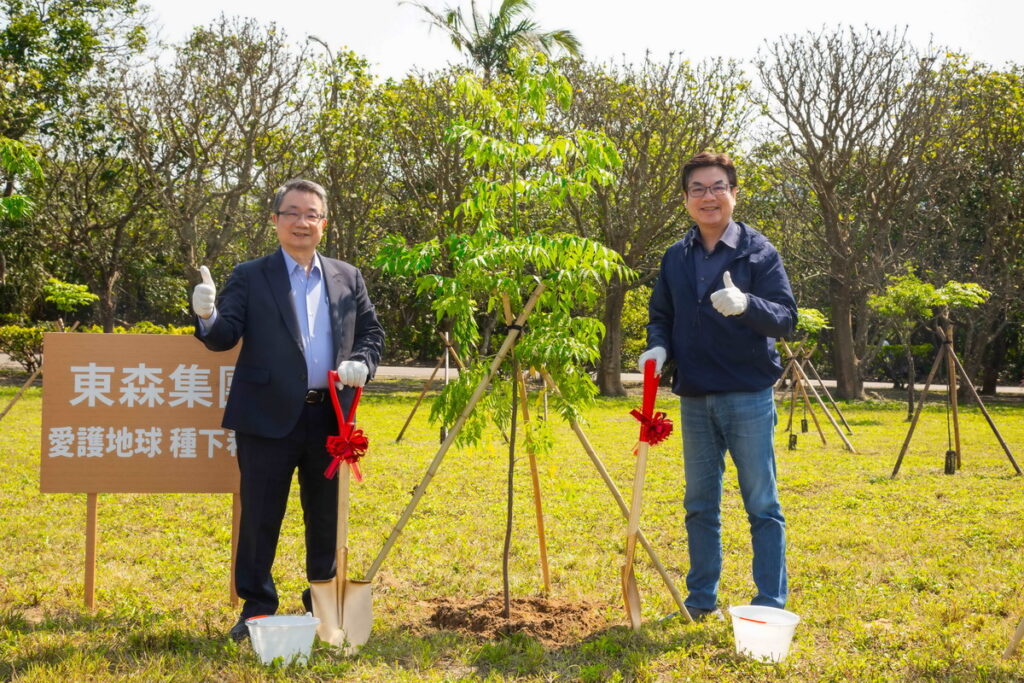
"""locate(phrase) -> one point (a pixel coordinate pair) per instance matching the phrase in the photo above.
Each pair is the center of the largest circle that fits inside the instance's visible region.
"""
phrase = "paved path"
(417, 372)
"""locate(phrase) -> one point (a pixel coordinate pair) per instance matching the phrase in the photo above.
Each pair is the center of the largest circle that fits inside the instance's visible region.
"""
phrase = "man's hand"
(729, 300)
(352, 373)
(656, 353)
(204, 295)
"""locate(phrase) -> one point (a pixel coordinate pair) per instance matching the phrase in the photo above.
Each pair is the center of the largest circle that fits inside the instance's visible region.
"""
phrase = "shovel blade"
(631, 596)
(350, 629)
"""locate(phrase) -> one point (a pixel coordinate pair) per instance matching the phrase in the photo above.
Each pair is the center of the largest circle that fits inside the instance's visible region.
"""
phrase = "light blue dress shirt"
(312, 310)
(309, 299)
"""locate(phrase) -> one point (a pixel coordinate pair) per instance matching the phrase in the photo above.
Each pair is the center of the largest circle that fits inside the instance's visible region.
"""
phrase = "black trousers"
(266, 467)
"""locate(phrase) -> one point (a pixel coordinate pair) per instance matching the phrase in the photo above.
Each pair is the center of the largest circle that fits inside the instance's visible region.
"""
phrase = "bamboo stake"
(32, 377)
(917, 414)
(535, 476)
(807, 383)
(538, 505)
(970, 387)
(951, 388)
(805, 360)
(821, 383)
(426, 388)
(21, 391)
(807, 401)
(510, 339)
(1015, 641)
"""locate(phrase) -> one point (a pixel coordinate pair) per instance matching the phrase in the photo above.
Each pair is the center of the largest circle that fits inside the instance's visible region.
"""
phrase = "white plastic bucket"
(763, 633)
(288, 637)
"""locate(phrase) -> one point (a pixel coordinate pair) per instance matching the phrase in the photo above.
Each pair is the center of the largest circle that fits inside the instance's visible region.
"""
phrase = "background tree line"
(860, 154)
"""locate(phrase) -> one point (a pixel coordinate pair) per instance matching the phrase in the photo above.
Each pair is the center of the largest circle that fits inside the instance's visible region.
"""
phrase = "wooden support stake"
(952, 389)
(970, 387)
(1015, 641)
(21, 391)
(917, 413)
(803, 384)
(538, 506)
(535, 476)
(510, 340)
(426, 388)
(90, 550)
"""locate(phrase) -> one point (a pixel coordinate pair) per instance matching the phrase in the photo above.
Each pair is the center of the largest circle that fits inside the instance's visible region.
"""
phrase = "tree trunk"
(609, 369)
(108, 303)
(848, 381)
(911, 373)
(993, 364)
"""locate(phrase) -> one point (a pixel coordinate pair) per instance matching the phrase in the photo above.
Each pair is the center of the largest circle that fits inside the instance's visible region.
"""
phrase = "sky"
(395, 38)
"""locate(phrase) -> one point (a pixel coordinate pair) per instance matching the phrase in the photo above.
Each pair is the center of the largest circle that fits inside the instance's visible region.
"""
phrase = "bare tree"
(658, 114)
(207, 128)
(861, 118)
(348, 151)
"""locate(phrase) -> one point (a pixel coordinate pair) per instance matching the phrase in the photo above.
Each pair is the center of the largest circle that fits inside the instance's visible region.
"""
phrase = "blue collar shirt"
(309, 299)
(708, 266)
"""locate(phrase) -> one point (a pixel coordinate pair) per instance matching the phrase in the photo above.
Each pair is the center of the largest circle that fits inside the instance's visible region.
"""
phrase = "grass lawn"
(918, 578)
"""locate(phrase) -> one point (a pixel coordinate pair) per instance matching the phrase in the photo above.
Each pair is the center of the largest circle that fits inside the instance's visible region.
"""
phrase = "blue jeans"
(742, 423)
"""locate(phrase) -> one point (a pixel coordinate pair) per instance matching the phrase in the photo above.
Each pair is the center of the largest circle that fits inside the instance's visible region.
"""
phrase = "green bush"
(142, 327)
(23, 344)
(634, 326)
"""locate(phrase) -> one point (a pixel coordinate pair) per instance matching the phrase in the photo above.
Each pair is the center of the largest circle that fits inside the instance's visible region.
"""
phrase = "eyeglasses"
(718, 189)
(292, 217)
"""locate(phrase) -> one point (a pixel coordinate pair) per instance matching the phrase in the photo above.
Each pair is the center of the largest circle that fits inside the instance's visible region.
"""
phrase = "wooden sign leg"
(236, 521)
(90, 549)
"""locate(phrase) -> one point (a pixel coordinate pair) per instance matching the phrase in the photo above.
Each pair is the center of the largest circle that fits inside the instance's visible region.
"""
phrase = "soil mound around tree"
(553, 622)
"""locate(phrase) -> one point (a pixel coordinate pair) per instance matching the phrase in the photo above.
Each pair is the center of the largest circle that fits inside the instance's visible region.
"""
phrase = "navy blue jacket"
(716, 353)
(269, 381)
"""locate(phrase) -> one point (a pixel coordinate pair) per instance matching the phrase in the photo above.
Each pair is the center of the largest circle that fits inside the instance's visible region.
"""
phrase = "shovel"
(652, 429)
(343, 606)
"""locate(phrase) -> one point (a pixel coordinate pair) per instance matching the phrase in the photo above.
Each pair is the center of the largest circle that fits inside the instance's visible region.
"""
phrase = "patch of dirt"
(553, 622)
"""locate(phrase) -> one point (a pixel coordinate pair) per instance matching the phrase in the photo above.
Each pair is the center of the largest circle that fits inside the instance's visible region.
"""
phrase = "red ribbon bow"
(347, 449)
(350, 444)
(654, 429)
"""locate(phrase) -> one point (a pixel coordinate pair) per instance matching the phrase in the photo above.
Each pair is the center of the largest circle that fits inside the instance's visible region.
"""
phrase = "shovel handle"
(332, 386)
(650, 388)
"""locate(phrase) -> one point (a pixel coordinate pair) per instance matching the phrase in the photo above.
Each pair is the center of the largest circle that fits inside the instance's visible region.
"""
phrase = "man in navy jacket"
(721, 300)
(298, 315)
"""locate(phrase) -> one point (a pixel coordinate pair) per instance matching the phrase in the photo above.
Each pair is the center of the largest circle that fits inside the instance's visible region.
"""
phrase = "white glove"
(656, 353)
(204, 295)
(352, 373)
(729, 300)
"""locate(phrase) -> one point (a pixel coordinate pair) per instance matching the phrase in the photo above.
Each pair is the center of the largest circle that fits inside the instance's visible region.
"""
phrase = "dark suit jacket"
(269, 381)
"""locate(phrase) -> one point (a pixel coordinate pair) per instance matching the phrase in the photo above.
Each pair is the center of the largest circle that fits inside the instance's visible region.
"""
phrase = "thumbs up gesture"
(729, 300)
(204, 295)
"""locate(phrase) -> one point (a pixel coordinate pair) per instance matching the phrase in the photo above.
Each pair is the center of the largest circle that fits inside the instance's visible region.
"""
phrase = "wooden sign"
(135, 413)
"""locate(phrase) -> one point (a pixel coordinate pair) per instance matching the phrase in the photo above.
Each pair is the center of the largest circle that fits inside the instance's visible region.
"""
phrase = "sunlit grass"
(919, 577)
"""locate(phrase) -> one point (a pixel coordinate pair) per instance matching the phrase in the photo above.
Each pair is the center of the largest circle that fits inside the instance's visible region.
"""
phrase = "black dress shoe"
(239, 631)
(307, 601)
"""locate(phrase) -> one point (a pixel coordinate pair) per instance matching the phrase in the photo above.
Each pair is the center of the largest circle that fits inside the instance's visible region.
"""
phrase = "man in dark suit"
(298, 315)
